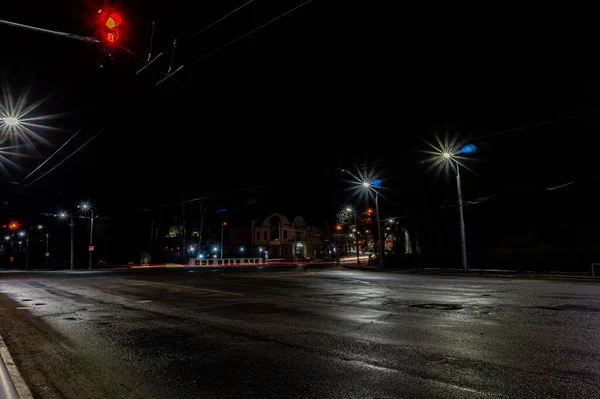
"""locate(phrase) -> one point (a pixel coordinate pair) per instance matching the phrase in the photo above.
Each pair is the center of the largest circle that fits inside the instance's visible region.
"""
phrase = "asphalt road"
(300, 333)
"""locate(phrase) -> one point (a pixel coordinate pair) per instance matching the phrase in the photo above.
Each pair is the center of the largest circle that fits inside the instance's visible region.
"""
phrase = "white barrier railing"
(229, 262)
(347, 259)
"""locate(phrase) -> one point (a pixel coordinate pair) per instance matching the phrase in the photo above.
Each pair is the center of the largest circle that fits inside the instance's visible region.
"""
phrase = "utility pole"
(223, 224)
(91, 250)
(47, 248)
(72, 252)
(463, 239)
(27, 252)
(357, 249)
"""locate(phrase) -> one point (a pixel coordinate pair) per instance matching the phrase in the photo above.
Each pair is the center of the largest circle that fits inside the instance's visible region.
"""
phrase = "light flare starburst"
(19, 122)
(363, 184)
(446, 155)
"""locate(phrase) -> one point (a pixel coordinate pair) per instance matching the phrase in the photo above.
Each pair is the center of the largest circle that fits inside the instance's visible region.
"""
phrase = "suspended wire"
(52, 32)
(234, 40)
(171, 74)
(564, 118)
(76, 151)
(216, 22)
(250, 32)
(50, 157)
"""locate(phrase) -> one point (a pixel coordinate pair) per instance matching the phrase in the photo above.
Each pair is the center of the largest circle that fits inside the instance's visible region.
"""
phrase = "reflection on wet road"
(300, 333)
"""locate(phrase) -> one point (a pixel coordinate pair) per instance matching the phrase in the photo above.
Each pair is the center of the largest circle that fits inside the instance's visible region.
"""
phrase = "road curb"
(12, 385)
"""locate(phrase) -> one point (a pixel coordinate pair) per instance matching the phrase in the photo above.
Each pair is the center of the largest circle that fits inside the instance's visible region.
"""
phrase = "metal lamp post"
(370, 186)
(355, 228)
(222, 226)
(463, 240)
(87, 207)
(63, 215)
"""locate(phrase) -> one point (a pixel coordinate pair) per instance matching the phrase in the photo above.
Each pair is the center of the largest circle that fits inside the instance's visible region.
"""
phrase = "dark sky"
(326, 86)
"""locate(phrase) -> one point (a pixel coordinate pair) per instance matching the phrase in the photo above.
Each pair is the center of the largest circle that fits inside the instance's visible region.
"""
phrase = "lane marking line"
(186, 287)
(18, 381)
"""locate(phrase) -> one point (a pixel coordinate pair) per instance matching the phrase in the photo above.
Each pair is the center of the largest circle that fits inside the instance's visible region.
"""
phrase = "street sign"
(91, 247)
(47, 254)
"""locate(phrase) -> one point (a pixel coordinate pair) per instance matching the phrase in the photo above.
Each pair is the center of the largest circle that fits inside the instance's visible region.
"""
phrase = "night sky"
(321, 88)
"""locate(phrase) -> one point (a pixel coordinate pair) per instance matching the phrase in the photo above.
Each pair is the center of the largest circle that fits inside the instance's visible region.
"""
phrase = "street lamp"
(371, 186)
(350, 210)
(10, 121)
(86, 206)
(65, 216)
(449, 157)
(222, 226)
(365, 184)
(23, 234)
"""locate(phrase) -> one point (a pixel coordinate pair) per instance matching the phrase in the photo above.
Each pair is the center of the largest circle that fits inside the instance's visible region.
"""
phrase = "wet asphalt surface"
(300, 333)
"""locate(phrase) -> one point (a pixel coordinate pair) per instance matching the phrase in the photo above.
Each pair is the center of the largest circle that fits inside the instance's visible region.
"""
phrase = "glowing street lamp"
(350, 210)
(364, 185)
(64, 216)
(449, 157)
(10, 121)
(450, 154)
(372, 187)
(86, 206)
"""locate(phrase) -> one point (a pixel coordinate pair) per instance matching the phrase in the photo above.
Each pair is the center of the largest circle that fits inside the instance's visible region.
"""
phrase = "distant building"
(285, 239)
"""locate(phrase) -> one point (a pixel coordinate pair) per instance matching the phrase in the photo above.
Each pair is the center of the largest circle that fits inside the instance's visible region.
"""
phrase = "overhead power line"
(235, 40)
(50, 157)
(548, 122)
(250, 32)
(51, 32)
(216, 22)
(77, 150)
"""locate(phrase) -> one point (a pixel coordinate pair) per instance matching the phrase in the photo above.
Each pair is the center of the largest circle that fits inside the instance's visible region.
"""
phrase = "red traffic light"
(110, 19)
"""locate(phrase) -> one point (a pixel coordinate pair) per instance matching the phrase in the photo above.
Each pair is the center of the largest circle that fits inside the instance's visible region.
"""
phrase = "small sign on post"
(91, 248)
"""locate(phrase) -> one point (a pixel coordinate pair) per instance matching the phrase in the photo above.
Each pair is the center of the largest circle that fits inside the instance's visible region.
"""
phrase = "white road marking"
(357, 281)
(186, 287)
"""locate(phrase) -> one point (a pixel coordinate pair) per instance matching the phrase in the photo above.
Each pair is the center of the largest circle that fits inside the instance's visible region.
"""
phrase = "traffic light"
(109, 21)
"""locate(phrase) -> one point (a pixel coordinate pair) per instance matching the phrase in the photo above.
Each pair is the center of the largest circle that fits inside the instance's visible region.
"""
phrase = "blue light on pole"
(376, 183)
(468, 149)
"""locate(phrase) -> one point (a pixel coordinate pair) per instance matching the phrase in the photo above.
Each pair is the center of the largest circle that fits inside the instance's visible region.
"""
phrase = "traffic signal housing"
(109, 22)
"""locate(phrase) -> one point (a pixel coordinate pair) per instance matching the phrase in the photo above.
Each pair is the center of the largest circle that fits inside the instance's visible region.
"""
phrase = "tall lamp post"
(64, 216)
(23, 234)
(222, 226)
(87, 207)
(355, 228)
(463, 240)
(371, 186)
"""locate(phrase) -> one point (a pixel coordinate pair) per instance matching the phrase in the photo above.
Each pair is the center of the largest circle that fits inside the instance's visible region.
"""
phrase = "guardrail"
(227, 262)
(348, 259)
